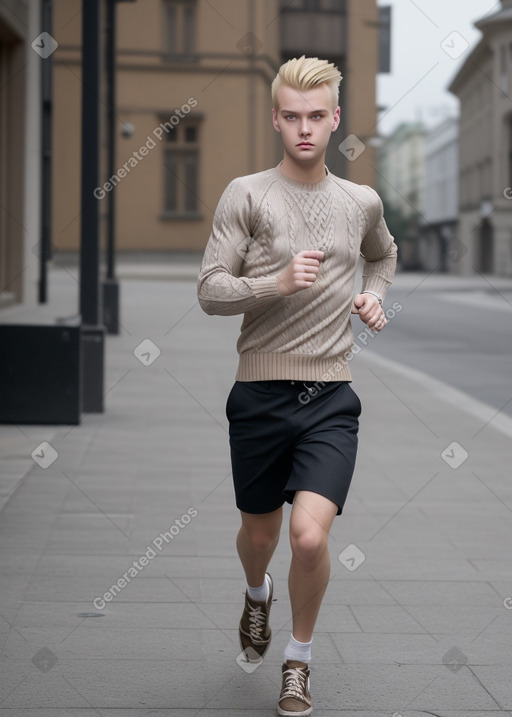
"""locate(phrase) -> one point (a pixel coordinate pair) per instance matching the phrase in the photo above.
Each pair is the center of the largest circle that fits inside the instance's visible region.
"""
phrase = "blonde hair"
(304, 73)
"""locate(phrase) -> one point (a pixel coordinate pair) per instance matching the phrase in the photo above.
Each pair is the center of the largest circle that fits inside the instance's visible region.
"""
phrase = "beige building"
(194, 110)
(484, 88)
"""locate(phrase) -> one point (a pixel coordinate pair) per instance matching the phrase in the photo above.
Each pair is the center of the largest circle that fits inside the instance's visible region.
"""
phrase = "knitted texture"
(262, 221)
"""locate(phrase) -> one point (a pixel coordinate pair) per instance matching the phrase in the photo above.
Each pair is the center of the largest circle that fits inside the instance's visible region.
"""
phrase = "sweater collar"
(304, 186)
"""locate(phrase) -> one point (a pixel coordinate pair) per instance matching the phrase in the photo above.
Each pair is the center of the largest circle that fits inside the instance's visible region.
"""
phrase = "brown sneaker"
(254, 630)
(295, 700)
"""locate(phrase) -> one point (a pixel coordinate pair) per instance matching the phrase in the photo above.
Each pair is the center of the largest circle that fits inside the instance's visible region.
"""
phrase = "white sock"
(259, 594)
(296, 650)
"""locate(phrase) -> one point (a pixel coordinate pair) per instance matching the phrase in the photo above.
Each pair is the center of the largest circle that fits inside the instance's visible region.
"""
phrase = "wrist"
(373, 293)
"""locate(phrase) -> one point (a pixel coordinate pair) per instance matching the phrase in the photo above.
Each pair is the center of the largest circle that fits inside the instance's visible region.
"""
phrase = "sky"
(421, 69)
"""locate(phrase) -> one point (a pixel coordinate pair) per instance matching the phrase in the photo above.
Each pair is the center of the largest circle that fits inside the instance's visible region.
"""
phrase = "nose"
(304, 128)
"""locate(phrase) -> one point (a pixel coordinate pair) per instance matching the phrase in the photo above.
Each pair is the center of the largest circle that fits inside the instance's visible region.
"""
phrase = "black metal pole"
(46, 157)
(110, 55)
(90, 300)
(110, 285)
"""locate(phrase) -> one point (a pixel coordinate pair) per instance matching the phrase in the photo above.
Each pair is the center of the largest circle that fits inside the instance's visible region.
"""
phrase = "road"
(458, 331)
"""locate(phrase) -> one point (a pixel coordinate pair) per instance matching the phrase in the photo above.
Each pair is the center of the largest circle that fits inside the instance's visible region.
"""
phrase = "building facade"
(20, 160)
(441, 208)
(194, 108)
(402, 186)
(484, 88)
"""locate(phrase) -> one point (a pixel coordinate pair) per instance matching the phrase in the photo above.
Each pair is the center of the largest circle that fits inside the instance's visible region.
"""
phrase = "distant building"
(402, 186)
(194, 108)
(20, 156)
(441, 204)
(484, 87)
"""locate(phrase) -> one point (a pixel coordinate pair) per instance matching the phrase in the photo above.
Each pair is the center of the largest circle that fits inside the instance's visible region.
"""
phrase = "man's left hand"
(370, 311)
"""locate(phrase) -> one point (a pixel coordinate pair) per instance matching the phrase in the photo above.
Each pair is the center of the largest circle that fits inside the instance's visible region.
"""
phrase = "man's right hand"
(301, 273)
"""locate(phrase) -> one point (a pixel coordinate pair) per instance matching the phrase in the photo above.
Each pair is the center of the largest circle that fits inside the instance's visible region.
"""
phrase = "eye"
(290, 117)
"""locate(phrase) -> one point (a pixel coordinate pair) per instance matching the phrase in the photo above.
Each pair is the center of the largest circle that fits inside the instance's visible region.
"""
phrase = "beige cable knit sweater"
(262, 221)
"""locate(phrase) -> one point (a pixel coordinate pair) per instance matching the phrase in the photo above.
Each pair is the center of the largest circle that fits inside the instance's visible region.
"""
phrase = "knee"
(261, 540)
(308, 547)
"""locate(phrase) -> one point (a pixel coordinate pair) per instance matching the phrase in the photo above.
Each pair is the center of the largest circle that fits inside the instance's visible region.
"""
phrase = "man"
(283, 251)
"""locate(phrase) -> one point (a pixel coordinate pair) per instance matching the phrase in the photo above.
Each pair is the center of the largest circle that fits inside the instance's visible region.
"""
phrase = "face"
(305, 121)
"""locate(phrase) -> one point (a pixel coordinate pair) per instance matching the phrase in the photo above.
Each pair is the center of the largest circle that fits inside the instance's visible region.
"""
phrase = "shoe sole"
(287, 713)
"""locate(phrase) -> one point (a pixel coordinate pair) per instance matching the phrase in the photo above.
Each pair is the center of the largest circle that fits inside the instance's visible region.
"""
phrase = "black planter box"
(40, 374)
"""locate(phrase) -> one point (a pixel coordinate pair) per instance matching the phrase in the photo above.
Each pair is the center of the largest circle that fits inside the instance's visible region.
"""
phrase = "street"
(462, 336)
(121, 588)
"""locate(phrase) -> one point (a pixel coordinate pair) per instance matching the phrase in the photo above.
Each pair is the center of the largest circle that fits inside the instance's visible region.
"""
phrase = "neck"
(302, 172)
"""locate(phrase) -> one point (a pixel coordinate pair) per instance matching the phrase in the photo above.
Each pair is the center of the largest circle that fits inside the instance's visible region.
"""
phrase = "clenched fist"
(300, 273)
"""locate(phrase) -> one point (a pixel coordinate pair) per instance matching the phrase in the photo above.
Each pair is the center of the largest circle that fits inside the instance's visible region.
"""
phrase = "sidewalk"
(416, 620)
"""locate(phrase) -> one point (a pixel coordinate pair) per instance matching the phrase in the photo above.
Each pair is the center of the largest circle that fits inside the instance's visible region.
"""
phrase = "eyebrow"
(313, 112)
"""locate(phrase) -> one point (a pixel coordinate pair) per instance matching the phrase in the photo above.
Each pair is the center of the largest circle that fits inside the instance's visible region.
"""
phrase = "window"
(181, 170)
(180, 25)
(335, 6)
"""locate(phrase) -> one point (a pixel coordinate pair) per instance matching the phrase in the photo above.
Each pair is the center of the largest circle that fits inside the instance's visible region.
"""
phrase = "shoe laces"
(294, 683)
(256, 622)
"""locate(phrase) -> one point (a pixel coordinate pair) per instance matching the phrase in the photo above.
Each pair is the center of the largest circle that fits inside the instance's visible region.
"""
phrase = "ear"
(336, 120)
(275, 120)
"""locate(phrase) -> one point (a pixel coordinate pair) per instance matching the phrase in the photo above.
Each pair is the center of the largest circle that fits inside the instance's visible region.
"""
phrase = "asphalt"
(417, 619)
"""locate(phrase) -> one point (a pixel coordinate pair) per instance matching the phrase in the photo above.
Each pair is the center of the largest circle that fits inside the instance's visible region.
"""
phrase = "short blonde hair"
(304, 73)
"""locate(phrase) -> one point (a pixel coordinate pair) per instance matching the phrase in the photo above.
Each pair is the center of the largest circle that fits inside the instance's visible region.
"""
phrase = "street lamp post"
(111, 287)
(110, 284)
(93, 332)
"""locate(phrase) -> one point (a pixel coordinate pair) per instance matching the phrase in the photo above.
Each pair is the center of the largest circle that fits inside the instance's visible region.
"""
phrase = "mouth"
(305, 144)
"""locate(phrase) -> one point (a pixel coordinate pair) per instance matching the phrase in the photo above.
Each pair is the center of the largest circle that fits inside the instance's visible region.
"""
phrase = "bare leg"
(256, 541)
(310, 522)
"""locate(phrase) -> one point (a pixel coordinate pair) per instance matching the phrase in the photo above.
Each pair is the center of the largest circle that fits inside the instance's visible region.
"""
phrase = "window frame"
(179, 33)
(181, 151)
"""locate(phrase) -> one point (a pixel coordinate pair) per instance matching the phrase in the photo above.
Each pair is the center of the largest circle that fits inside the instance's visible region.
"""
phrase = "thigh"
(312, 512)
(324, 454)
(266, 524)
(261, 452)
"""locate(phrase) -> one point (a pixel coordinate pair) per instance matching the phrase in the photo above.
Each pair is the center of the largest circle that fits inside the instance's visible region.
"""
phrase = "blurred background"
(425, 91)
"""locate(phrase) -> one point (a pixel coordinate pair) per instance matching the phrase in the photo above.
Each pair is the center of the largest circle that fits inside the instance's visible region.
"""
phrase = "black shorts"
(286, 436)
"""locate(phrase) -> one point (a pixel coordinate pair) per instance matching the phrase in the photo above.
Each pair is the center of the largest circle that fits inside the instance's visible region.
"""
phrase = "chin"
(306, 155)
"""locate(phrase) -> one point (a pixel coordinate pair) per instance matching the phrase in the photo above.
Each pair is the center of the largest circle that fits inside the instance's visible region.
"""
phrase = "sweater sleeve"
(220, 288)
(378, 250)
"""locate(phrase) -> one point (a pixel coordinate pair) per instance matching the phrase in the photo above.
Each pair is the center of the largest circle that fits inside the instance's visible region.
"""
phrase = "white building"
(402, 185)
(484, 88)
(441, 209)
